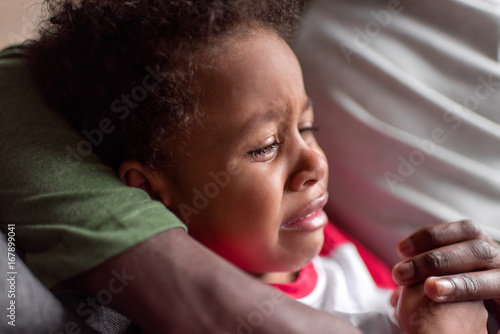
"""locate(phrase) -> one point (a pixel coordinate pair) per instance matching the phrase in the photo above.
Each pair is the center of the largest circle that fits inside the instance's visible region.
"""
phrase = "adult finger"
(439, 235)
(481, 285)
(462, 257)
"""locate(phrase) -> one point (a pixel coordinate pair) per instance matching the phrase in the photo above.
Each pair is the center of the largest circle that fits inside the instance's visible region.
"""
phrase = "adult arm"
(175, 285)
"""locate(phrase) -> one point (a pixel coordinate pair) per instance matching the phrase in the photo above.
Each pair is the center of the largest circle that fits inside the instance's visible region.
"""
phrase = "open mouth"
(311, 218)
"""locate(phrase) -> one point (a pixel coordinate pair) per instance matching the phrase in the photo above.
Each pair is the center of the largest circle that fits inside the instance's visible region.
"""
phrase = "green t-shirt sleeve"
(70, 211)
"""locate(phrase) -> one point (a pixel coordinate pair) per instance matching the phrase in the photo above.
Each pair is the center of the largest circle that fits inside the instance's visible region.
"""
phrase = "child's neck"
(277, 277)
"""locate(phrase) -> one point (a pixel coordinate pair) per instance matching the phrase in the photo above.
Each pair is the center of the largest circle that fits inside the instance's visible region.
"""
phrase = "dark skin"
(458, 255)
(467, 261)
(170, 285)
(416, 313)
(182, 287)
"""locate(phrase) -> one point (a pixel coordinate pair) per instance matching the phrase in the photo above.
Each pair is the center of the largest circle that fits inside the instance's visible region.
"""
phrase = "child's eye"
(265, 153)
(311, 129)
(308, 133)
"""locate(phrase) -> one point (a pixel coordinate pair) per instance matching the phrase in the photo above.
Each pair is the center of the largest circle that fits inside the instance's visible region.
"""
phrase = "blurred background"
(18, 20)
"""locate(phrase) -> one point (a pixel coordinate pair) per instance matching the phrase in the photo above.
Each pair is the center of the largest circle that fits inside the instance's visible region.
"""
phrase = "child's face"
(251, 183)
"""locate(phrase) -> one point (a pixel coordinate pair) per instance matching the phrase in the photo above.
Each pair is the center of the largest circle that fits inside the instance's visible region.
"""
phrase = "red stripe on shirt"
(380, 272)
(303, 285)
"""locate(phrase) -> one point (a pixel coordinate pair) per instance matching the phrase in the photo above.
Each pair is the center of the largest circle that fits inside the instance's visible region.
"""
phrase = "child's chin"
(308, 248)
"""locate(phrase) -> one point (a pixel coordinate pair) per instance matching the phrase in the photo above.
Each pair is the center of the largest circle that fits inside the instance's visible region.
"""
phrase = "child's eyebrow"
(265, 117)
(273, 114)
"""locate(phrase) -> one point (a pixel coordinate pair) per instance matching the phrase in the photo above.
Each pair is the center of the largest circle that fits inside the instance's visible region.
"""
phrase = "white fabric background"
(407, 99)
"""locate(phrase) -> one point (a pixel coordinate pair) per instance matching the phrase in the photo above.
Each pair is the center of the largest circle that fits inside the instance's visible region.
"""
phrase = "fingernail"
(405, 271)
(445, 287)
(406, 247)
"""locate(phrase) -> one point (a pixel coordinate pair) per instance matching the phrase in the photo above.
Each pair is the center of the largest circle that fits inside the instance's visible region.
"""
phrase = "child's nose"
(311, 168)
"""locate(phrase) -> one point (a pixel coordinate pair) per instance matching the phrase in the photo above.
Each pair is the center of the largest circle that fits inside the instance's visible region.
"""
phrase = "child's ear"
(135, 174)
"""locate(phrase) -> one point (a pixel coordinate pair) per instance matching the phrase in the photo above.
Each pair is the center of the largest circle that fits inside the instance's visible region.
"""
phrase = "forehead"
(255, 78)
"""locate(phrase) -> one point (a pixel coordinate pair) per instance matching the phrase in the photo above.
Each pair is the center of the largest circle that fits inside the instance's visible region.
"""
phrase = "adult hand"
(457, 262)
(176, 285)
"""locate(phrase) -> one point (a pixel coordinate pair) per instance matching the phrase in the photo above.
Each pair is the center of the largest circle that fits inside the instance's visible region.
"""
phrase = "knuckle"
(470, 229)
(484, 251)
(427, 234)
(436, 260)
(452, 231)
(468, 284)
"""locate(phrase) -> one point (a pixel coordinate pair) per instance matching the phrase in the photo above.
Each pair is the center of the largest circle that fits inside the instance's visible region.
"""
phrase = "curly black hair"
(127, 68)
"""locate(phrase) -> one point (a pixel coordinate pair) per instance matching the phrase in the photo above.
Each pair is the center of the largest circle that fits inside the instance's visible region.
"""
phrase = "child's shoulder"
(335, 238)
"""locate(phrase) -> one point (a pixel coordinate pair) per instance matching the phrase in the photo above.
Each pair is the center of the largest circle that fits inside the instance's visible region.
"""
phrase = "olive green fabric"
(70, 211)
